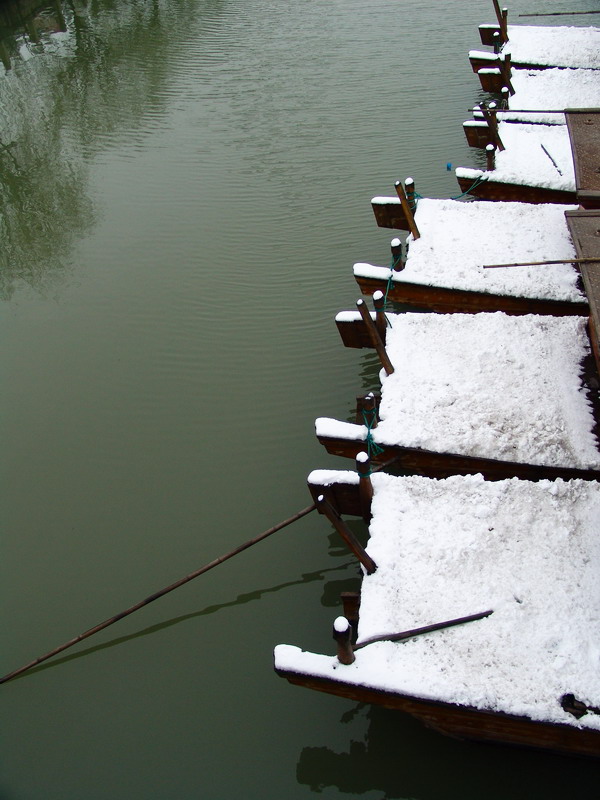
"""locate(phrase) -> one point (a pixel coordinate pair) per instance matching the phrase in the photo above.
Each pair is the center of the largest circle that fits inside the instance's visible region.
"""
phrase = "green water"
(185, 187)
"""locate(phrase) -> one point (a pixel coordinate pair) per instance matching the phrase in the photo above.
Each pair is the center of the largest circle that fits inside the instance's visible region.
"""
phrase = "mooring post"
(505, 95)
(490, 155)
(365, 487)
(396, 248)
(366, 410)
(410, 189)
(380, 318)
(497, 42)
(408, 213)
(505, 70)
(342, 633)
(351, 606)
(376, 340)
(492, 121)
(332, 514)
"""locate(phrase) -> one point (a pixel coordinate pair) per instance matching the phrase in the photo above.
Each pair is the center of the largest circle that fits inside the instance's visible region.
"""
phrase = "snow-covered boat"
(516, 563)
(444, 269)
(490, 393)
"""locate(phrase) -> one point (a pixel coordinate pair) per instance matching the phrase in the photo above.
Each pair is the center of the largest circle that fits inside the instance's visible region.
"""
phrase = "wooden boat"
(460, 407)
(445, 272)
(535, 166)
(470, 676)
(540, 47)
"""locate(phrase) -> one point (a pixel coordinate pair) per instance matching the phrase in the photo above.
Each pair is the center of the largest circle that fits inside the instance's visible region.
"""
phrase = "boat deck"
(455, 548)
(445, 269)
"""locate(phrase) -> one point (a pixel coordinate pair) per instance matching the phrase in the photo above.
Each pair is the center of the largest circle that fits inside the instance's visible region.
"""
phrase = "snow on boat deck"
(549, 90)
(458, 238)
(484, 385)
(560, 46)
(535, 155)
(459, 546)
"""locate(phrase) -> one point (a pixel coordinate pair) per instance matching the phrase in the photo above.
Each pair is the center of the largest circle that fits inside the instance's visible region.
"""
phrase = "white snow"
(341, 624)
(552, 90)
(529, 157)
(486, 385)
(560, 46)
(458, 238)
(460, 546)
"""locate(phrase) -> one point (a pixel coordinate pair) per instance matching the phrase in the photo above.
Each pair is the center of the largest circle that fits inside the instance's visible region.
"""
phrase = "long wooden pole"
(101, 626)
(542, 263)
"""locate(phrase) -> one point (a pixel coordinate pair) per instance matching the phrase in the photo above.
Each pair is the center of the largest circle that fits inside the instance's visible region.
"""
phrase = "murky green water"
(185, 186)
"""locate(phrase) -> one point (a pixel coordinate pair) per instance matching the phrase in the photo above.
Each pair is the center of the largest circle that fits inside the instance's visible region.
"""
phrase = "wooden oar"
(161, 593)
(543, 263)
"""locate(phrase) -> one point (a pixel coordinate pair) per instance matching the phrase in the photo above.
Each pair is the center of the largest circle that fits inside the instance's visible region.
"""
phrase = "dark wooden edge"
(444, 300)
(463, 722)
(515, 192)
(345, 497)
(390, 215)
(432, 464)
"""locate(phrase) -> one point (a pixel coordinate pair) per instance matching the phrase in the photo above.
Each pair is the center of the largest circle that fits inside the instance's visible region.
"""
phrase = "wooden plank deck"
(584, 131)
(585, 232)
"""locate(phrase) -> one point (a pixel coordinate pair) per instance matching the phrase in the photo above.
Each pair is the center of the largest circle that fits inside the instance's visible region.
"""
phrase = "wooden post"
(325, 507)
(351, 606)
(497, 42)
(342, 633)
(490, 116)
(369, 405)
(375, 337)
(365, 487)
(505, 70)
(396, 248)
(380, 318)
(505, 94)
(490, 153)
(407, 210)
(409, 188)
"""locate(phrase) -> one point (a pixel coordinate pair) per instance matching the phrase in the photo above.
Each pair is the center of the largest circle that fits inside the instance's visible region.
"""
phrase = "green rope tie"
(477, 182)
(369, 417)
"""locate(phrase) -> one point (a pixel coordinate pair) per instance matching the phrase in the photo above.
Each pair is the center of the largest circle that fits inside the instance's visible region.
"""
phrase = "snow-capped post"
(365, 487)
(409, 188)
(342, 633)
(491, 117)
(497, 41)
(332, 514)
(374, 336)
(396, 248)
(407, 210)
(490, 154)
(505, 95)
(505, 71)
(351, 606)
(380, 318)
(366, 408)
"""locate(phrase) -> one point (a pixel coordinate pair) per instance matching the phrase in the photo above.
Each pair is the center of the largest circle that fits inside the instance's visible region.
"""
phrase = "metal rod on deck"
(398, 637)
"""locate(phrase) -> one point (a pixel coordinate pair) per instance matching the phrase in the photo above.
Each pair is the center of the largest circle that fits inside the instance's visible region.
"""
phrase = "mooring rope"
(370, 419)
